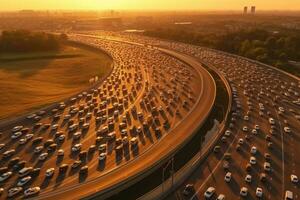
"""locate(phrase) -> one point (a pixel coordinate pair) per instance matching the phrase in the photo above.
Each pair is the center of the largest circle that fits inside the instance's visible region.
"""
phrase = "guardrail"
(180, 176)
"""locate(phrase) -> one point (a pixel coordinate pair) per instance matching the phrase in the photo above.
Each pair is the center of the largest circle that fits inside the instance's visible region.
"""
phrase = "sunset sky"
(148, 4)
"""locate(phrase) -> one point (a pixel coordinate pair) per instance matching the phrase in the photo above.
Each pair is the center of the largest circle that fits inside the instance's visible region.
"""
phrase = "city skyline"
(148, 5)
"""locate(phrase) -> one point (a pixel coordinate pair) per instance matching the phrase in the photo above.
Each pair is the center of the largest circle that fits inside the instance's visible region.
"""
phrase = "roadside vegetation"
(276, 48)
(31, 80)
(26, 41)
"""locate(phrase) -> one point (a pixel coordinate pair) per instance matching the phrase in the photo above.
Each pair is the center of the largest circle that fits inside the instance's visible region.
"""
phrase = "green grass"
(30, 81)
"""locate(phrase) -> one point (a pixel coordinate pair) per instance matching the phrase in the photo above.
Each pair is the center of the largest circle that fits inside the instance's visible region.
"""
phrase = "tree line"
(20, 41)
(274, 48)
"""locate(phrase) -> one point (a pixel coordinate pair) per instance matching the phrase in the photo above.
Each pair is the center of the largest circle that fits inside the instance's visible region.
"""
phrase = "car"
(267, 166)
(209, 192)
(38, 149)
(76, 164)
(17, 128)
(227, 133)
(263, 177)
(245, 128)
(256, 127)
(102, 147)
(248, 178)
(5, 176)
(217, 149)
(287, 129)
(241, 141)
(227, 177)
(102, 156)
(16, 135)
(221, 197)
(84, 170)
(294, 178)
(60, 152)
(49, 172)
(244, 191)
(1, 191)
(271, 121)
(252, 160)
(23, 181)
(254, 132)
(14, 191)
(267, 156)
(188, 189)
(43, 156)
(289, 195)
(31, 191)
(77, 135)
(63, 168)
(253, 150)
(25, 171)
(76, 147)
(259, 192)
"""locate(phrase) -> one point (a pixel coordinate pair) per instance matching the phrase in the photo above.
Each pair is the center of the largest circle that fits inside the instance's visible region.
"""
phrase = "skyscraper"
(245, 10)
(253, 8)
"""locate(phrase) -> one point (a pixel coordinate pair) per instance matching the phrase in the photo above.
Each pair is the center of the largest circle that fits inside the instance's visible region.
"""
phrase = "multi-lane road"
(99, 139)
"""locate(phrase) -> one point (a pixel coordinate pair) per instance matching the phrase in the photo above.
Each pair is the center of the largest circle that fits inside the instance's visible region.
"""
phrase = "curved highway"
(151, 105)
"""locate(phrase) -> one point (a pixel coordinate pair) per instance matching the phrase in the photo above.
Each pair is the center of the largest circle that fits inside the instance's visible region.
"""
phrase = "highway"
(260, 94)
(151, 97)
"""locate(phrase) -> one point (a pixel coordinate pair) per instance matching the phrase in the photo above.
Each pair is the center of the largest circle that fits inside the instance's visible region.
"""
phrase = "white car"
(16, 135)
(252, 160)
(248, 178)
(259, 192)
(76, 147)
(294, 178)
(17, 128)
(221, 197)
(244, 191)
(254, 131)
(209, 192)
(13, 191)
(77, 135)
(253, 150)
(245, 128)
(31, 191)
(267, 166)
(60, 152)
(241, 141)
(227, 177)
(43, 156)
(38, 149)
(256, 127)
(102, 156)
(271, 121)
(227, 133)
(50, 172)
(23, 181)
(287, 129)
(5, 176)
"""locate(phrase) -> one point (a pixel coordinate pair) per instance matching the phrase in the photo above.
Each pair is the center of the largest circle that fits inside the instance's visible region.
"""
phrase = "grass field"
(33, 80)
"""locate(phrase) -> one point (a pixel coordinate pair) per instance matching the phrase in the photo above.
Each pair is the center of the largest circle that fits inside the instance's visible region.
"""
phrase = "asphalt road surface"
(134, 118)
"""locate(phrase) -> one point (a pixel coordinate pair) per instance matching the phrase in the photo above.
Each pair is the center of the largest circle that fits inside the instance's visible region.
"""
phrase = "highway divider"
(178, 178)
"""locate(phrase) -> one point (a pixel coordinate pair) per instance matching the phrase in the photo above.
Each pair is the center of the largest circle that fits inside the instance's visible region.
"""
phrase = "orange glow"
(149, 4)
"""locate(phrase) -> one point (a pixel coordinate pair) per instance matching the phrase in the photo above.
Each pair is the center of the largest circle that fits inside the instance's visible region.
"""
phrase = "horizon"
(149, 5)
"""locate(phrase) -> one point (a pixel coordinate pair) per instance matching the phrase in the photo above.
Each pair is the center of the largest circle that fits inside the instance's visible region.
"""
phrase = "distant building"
(245, 10)
(253, 10)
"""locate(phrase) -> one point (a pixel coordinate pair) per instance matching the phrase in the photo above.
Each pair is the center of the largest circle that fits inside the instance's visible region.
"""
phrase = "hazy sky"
(149, 4)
